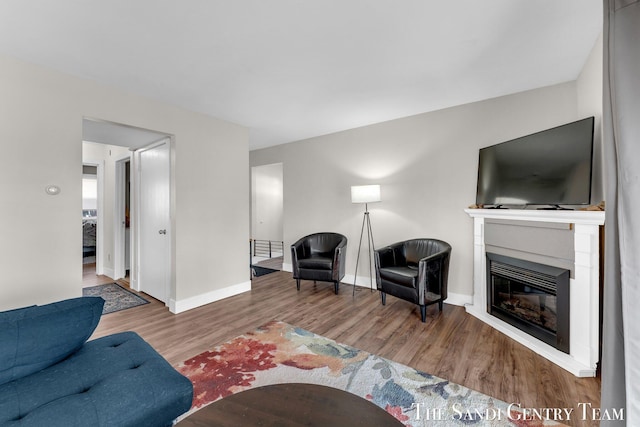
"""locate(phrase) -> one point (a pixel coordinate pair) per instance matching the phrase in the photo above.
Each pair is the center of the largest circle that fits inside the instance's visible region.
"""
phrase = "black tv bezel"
(542, 203)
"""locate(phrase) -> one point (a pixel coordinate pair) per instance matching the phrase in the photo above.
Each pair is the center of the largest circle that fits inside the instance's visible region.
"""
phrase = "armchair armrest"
(433, 257)
(297, 253)
(433, 273)
(390, 256)
(385, 257)
(339, 260)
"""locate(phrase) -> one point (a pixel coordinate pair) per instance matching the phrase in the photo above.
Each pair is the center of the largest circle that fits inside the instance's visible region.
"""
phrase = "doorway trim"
(107, 132)
(119, 220)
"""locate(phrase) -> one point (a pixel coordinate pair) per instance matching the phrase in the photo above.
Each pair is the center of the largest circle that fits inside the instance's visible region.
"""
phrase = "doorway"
(113, 149)
(267, 204)
(105, 215)
(89, 213)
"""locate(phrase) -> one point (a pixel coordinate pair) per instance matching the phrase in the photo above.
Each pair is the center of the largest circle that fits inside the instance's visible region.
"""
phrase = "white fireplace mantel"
(584, 287)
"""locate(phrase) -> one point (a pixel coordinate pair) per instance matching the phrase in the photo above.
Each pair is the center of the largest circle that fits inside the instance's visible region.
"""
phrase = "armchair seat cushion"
(402, 275)
(316, 262)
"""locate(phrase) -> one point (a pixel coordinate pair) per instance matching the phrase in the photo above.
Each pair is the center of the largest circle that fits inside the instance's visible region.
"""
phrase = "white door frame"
(134, 215)
(119, 270)
(257, 215)
(99, 213)
(100, 221)
(133, 222)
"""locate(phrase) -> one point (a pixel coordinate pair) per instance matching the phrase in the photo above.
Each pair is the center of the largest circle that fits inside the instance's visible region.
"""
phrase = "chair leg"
(440, 304)
(336, 286)
(384, 297)
(298, 284)
(423, 313)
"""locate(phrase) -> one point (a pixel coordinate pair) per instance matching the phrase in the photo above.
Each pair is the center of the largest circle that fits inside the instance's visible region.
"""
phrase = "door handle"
(162, 231)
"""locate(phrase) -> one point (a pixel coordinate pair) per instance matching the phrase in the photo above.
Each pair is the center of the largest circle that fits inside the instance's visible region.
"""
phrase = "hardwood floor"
(451, 344)
(90, 278)
(275, 263)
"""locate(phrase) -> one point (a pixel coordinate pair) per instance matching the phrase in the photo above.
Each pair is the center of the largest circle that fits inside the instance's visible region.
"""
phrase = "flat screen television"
(550, 168)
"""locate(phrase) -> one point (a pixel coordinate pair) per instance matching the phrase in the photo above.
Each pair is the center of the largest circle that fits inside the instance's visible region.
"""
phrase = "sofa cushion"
(34, 338)
(117, 380)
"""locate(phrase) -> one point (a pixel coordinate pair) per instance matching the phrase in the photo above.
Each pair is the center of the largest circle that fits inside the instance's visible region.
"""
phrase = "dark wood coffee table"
(291, 405)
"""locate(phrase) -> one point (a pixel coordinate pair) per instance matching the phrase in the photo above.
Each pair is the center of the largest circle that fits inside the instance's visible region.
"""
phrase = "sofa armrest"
(117, 380)
(36, 337)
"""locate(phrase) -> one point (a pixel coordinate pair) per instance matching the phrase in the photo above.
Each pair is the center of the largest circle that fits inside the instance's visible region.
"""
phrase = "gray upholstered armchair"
(415, 270)
(319, 257)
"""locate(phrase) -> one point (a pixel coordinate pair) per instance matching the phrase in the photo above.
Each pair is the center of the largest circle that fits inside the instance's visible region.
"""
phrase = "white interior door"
(154, 221)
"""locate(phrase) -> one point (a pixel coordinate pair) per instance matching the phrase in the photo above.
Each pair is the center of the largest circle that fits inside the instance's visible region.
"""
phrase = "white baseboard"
(365, 282)
(109, 272)
(458, 299)
(199, 300)
(348, 278)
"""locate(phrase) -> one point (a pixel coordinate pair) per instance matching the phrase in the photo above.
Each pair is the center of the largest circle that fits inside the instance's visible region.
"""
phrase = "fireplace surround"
(567, 240)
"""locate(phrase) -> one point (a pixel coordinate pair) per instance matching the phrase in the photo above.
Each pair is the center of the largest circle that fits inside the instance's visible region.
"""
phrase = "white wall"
(427, 168)
(41, 113)
(89, 192)
(589, 86)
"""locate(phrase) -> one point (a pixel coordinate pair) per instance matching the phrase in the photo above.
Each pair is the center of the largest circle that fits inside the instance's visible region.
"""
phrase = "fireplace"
(567, 239)
(530, 296)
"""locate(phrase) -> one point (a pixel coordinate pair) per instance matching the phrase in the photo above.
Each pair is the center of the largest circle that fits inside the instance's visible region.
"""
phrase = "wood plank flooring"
(275, 263)
(451, 344)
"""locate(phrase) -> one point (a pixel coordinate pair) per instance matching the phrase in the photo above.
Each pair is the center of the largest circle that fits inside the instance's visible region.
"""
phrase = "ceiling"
(110, 133)
(294, 69)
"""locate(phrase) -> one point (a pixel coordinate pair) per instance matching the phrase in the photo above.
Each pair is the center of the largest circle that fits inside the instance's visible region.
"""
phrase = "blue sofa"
(50, 375)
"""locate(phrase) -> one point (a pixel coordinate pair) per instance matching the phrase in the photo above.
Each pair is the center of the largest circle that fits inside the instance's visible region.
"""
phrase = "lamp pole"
(365, 221)
(365, 194)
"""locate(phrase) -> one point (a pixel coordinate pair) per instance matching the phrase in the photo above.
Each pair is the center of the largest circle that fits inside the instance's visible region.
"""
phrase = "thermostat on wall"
(52, 190)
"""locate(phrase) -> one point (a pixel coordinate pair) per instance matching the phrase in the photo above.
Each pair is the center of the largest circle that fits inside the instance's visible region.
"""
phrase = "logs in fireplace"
(530, 296)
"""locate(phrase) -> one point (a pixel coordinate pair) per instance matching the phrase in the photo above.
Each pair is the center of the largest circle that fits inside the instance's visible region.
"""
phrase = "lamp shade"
(365, 193)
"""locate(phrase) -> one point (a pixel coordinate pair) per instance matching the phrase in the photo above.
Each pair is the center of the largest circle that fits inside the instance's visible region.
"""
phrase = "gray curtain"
(621, 135)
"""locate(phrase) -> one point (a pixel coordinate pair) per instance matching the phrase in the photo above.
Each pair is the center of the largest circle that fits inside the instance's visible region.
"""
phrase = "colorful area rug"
(115, 297)
(280, 353)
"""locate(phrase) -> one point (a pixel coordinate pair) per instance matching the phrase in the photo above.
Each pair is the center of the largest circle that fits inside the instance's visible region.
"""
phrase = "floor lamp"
(365, 194)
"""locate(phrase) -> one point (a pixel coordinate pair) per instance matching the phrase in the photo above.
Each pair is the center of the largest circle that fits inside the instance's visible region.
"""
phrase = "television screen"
(552, 167)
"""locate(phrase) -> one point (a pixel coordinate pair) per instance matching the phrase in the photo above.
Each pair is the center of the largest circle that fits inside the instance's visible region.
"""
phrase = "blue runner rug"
(115, 297)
